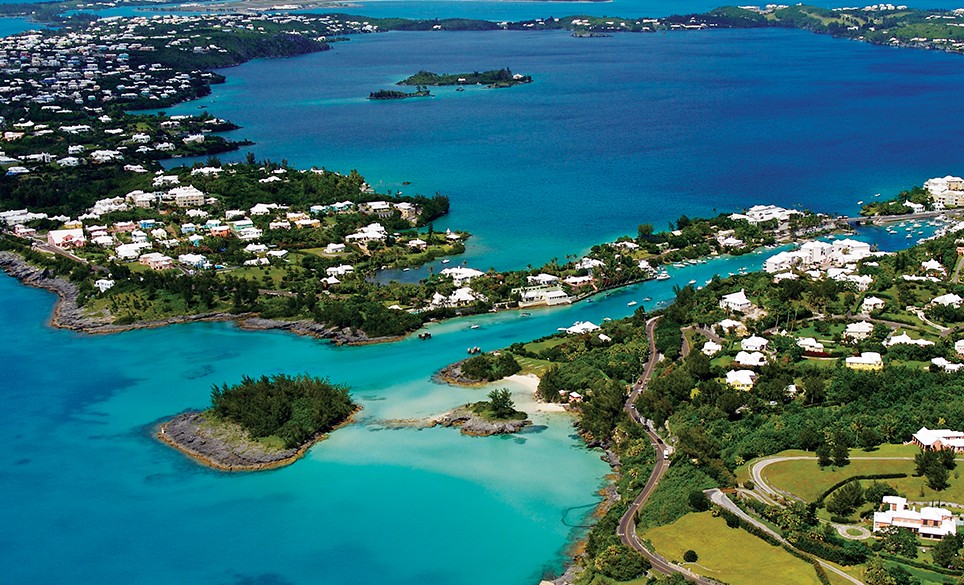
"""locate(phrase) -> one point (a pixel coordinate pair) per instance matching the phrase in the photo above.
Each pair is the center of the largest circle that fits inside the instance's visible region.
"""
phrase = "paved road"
(627, 524)
(719, 498)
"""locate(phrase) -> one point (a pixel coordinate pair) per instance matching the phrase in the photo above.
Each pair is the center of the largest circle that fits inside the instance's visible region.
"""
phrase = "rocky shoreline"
(69, 315)
(453, 376)
(226, 446)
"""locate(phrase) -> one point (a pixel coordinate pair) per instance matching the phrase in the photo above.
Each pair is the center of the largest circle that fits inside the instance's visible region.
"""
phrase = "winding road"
(627, 524)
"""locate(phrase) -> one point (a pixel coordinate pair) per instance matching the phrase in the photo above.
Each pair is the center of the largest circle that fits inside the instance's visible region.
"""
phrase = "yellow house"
(868, 360)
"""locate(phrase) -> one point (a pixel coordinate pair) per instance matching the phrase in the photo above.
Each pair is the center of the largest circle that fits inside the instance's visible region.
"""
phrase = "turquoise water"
(12, 26)
(91, 497)
(614, 131)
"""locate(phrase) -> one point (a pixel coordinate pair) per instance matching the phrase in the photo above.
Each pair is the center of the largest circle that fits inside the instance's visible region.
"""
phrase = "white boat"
(405, 269)
(691, 282)
(631, 304)
(446, 261)
(860, 203)
(662, 276)
(474, 327)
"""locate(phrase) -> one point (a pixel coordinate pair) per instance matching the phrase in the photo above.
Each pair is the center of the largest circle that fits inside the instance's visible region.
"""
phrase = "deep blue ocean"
(613, 132)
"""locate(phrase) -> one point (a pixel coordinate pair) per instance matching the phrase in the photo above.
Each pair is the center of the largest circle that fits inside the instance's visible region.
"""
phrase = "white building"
(745, 358)
(904, 339)
(461, 275)
(927, 521)
(754, 343)
(580, 327)
(736, 301)
(711, 348)
(858, 331)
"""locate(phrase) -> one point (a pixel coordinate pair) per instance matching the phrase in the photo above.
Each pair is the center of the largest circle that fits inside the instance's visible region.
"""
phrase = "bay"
(613, 132)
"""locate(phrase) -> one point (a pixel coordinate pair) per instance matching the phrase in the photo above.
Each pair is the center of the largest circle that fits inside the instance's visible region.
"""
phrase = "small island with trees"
(496, 78)
(260, 423)
(391, 94)
(495, 416)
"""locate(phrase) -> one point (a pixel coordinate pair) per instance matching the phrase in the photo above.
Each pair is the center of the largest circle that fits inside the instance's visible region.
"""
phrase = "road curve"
(756, 472)
(627, 524)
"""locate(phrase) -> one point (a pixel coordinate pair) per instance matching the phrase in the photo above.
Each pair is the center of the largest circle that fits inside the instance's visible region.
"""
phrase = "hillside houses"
(946, 191)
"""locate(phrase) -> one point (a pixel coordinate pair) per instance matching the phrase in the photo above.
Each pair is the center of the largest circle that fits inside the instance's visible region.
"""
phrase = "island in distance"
(261, 423)
(496, 78)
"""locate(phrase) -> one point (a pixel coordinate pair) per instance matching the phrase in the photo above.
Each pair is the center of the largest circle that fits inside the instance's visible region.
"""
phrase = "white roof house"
(461, 275)
(866, 360)
(927, 521)
(938, 439)
(871, 304)
(904, 339)
(948, 300)
(946, 365)
(754, 343)
(736, 301)
(933, 266)
(580, 327)
(542, 279)
(732, 325)
(755, 358)
(809, 344)
(959, 346)
(741, 379)
(861, 330)
(339, 270)
(711, 348)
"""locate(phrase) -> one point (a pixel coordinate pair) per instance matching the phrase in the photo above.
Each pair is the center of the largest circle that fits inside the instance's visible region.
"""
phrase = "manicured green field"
(806, 480)
(727, 554)
(533, 366)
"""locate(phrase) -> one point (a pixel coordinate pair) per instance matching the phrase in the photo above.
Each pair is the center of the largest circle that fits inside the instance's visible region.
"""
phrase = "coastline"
(67, 314)
(286, 457)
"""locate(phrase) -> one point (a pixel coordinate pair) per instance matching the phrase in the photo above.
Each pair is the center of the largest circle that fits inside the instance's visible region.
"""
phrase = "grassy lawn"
(727, 554)
(807, 480)
(537, 346)
(533, 366)
(257, 274)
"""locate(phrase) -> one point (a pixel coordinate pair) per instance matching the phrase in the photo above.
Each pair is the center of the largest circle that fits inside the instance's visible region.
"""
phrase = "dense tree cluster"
(490, 367)
(293, 408)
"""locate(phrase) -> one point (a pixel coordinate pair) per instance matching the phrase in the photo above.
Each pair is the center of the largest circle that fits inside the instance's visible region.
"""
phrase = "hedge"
(841, 483)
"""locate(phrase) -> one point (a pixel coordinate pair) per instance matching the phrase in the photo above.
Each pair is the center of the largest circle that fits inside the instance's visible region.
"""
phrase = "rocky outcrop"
(472, 424)
(222, 446)
(469, 423)
(454, 376)
(226, 446)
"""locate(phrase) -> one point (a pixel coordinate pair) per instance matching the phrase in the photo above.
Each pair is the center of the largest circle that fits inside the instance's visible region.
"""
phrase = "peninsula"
(260, 423)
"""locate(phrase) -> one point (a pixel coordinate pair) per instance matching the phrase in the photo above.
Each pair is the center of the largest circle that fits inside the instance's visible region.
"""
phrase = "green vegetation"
(499, 407)
(490, 367)
(494, 78)
(896, 206)
(294, 409)
(391, 94)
